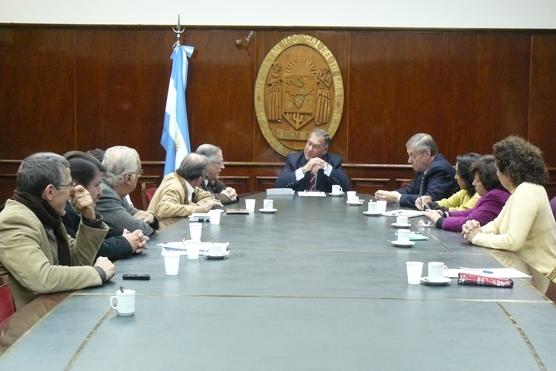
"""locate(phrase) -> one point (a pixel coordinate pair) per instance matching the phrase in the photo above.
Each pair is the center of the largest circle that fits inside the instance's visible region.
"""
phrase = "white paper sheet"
(311, 194)
(403, 212)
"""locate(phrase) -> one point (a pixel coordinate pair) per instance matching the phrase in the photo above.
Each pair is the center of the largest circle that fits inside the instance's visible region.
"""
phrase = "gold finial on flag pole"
(178, 30)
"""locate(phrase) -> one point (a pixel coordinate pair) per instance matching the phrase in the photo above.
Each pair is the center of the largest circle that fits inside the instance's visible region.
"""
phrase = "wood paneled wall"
(75, 87)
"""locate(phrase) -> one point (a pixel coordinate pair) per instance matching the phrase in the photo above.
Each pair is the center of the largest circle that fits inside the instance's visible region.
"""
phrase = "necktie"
(312, 182)
(422, 186)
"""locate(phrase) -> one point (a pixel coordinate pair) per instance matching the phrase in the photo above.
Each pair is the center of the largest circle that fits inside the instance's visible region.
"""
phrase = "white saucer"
(436, 282)
(371, 214)
(402, 244)
(269, 211)
(336, 194)
(358, 203)
(396, 225)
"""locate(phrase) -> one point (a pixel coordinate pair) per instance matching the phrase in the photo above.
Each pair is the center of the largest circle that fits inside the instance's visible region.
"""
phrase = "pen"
(488, 272)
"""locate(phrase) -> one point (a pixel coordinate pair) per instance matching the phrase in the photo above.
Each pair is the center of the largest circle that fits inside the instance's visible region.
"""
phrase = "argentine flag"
(175, 135)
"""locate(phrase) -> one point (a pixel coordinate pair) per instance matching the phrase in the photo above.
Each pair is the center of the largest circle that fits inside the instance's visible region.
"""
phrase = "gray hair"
(208, 150)
(321, 133)
(193, 166)
(118, 161)
(422, 142)
(39, 170)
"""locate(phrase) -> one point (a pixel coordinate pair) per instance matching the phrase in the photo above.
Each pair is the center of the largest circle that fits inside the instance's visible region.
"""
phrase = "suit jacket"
(295, 160)
(488, 207)
(113, 247)
(118, 213)
(438, 182)
(170, 200)
(26, 256)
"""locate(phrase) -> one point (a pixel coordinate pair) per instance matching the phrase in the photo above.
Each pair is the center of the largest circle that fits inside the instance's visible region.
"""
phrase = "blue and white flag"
(175, 135)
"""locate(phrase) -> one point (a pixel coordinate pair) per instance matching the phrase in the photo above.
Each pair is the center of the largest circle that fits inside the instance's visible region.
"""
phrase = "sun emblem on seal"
(299, 87)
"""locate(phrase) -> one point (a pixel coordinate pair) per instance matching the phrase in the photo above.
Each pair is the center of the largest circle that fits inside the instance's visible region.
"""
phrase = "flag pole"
(178, 30)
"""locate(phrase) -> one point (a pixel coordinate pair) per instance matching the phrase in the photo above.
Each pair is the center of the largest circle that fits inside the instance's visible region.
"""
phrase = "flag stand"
(178, 30)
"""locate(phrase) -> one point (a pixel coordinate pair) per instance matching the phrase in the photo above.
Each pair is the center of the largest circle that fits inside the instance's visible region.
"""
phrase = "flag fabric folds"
(175, 134)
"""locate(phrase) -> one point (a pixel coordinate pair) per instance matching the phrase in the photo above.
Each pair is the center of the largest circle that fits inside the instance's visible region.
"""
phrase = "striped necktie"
(312, 182)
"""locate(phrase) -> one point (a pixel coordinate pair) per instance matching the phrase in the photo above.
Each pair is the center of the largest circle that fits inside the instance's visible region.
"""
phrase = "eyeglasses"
(138, 172)
(63, 185)
(219, 162)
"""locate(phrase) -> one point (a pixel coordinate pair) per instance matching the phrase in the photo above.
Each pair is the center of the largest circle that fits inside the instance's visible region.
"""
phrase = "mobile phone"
(136, 276)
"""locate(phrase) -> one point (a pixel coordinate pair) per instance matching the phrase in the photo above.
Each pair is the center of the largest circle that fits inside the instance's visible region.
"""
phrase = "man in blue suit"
(434, 175)
(313, 169)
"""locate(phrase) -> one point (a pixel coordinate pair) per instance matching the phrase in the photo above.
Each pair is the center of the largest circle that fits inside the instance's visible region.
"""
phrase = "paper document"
(279, 192)
(311, 194)
(403, 212)
(490, 272)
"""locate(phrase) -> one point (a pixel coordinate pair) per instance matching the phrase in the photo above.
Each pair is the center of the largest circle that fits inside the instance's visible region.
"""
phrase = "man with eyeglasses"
(179, 195)
(36, 253)
(314, 169)
(122, 171)
(211, 183)
(434, 175)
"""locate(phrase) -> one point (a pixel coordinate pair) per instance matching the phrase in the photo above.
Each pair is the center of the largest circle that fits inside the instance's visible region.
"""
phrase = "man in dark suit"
(434, 175)
(313, 169)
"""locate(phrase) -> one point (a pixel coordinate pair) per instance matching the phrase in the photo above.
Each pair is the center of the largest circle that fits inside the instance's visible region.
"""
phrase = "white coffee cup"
(268, 204)
(381, 206)
(373, 207)
(171, 262)
(336, 189)
(193, 250)
(123, 302)
(215, 216)
(195, 231)
(250, 204)
(414, 271)
(352, 196)
(435, 270)
(401, 220)
(403, 235)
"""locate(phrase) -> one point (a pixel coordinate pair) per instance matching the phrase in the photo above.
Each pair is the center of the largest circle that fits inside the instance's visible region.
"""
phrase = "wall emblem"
(299, 87)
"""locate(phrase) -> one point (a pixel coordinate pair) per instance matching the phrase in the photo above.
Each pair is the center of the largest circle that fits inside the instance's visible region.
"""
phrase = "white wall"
(335, 13)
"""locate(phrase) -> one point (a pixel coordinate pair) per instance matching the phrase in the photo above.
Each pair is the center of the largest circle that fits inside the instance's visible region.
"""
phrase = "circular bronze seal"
(299, 87)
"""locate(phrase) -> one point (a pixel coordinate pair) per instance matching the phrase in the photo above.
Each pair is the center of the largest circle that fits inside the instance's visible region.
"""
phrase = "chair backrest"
(7, 306)
(147, 193)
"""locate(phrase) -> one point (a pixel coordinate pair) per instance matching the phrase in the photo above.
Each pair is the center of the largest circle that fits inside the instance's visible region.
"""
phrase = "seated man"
(179, 194)
(122, 170)
(36, 253)
(87, 172)
(434, 175)
(314, 169)
(212, 184)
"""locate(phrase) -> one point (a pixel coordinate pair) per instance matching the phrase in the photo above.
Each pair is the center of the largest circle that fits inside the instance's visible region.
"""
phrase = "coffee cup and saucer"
(436, 276)
(403, 239)
(372, 210)
(336, 191)
(218, 251)
(401, 222)
(268, 207)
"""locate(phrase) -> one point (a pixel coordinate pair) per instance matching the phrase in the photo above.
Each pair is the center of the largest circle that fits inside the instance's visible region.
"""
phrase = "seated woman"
(492, 198)
(526, 225)
(87, 171)
(465, 198)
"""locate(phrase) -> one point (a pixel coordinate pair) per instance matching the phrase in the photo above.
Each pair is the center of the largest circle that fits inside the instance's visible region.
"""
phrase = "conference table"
(315, 286)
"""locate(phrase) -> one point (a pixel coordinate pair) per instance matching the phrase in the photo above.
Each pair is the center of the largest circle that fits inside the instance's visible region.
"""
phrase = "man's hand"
(83, 202)
(210, 204)
(107, 266)
(423, 202)
(390, 196)
(144, 216)
(230, 193)
(314, 165)
(136, 239)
